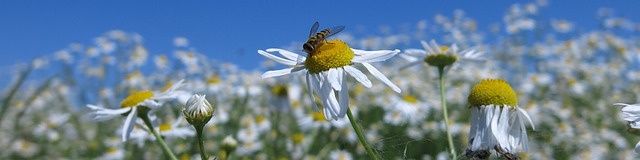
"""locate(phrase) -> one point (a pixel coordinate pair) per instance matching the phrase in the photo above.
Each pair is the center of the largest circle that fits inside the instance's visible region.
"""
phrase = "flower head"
(631, 114)
(497, 123)
(326, 68)
(439, 56)
(198, 111)
(137, 103)
(332, 54)
(229, 144)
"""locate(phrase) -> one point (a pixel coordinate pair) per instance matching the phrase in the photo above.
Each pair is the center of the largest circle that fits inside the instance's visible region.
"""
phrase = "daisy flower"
(229, 144)
(436, 55)
(138, 103)
(325, 71)
(631, 114)
(496, 120)
(340, 155)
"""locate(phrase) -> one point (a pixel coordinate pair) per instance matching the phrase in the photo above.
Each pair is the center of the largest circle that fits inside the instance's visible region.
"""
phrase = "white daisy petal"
(453, 49)
(425, 45)
(637, 149)
(94, 107)
(310, 90)
(102, 114)
(334, 79)
(175, 86)
(411, 64)
(364, 52)
(344, 97)
(151, 103)
(277, 59)
(503, 126)
(330, 104)
(621, 104)
(414, 52)
(631, 109)
(287, 54)
(524, 113)
(119, 111)
(323, 91)
(334, 105)
(434, 46)
(374, 56)
(281, 72)
(360, 77)
(381, 77)
(129, 122)
(319, 88)
(408, 58)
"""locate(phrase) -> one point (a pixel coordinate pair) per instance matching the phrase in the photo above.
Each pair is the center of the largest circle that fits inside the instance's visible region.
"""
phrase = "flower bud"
(198, 111)
(229, 144)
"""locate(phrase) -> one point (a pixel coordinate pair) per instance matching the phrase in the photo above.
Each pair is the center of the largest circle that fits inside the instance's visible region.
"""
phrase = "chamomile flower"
(631, 114)
(25, 148)
(249, 148)
(436, 55)
(138, 103)
(340, 155)
(496, 120)
(326, 69)
(113, 153)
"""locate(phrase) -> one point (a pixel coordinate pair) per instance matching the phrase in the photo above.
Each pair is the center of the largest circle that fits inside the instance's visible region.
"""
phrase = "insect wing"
(335, 30)
(314, 28)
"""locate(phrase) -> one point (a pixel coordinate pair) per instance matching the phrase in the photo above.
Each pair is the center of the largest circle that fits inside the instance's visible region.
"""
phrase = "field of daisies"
(526, 88)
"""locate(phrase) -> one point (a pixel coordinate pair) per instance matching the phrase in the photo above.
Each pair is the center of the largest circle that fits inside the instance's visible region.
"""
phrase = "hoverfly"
(313, 40)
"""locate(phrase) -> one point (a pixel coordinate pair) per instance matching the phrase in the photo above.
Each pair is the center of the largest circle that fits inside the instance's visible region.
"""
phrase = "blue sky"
(232, 31)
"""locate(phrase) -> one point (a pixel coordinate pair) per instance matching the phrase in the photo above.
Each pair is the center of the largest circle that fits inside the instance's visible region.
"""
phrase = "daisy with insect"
(326, 66)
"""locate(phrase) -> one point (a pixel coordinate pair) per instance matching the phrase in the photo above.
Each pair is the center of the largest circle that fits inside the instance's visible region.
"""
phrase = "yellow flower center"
(444, 48)
(25, 145)
(260, 119)
(492, 92)
(318, 116)
(112, 150)
(133, 75)
(213, 80)
(279, 90)
(342, 156)
(327, 55)
(297, 138)
(164, 127)
(410, 99)
(136, 98)
(185, 157)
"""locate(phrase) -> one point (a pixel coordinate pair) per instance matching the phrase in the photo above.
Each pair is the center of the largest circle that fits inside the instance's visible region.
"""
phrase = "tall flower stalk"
(145, 117)
(198, 111)
(361, 137)
(452, 148)
(444, 58)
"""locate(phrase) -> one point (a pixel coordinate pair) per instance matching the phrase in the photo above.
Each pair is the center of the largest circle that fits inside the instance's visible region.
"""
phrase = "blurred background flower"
(567, 70)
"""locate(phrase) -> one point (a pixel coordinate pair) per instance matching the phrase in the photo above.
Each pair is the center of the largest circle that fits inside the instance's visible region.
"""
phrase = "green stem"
(444, 112)
(360, 135)
(203, 153)
(164, 146)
